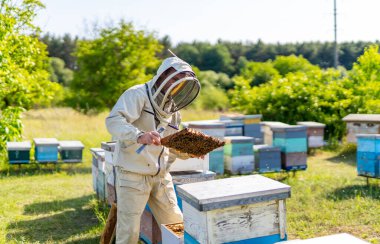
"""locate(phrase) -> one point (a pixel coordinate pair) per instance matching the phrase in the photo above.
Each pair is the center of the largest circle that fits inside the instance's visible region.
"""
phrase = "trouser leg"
(132, 196)
(163, 201)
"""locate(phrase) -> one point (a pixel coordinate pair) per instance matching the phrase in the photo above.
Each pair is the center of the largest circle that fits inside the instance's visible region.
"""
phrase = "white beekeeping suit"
(144, 177)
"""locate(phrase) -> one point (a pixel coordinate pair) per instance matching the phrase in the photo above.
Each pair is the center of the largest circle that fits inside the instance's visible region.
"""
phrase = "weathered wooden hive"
(234, 124)
(247, 209)
(238, 154)
(97, 160)
(267, 130)
(361, 124)
(315, 133)
(252, 128)
(109, 171)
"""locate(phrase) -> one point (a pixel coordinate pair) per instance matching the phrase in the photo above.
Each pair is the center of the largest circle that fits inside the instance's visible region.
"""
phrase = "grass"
(56, 203)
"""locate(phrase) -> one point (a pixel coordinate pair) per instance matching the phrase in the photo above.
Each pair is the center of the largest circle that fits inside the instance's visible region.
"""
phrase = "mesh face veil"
(177, 90)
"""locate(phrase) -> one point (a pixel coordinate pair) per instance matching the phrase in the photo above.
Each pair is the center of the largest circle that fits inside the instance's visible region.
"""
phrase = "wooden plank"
(282, 218)
(242, 222)
(195, 223)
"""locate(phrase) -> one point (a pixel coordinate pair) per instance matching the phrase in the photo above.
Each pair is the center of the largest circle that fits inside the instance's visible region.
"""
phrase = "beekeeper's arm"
(127, 110)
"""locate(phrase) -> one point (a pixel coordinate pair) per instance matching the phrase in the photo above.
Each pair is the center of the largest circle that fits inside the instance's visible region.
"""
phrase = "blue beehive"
(368, 155)
(46, 150)
(252, 127)
(238, 154)
(267, 158)
(234, 124)
(247, 209)
(18, 152)
(292, 139)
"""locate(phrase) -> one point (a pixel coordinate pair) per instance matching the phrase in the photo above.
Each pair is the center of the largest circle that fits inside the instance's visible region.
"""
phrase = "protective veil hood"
(175, 90)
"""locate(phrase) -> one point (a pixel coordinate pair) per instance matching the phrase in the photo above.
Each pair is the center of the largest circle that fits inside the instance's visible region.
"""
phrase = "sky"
(271, 21)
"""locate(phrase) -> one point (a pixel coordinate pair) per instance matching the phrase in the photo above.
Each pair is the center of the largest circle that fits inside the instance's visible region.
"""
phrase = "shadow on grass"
(347, 158)
(355, 191)
(74, 217)
(44, 168)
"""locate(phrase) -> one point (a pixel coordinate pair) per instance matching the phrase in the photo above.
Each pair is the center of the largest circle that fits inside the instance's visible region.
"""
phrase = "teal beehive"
(71, 151)
(18, 152)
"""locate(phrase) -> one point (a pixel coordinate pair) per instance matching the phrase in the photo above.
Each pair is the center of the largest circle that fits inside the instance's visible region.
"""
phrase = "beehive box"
(249, 209)
(238, 155)
(361, 124)
(109, 171)
(19, 152)
(71, 151)
(149, 229)
(46, 150)
(292, 139)
(252, 126)
(368, 155)
(266, 127)
(97, 159)
(267, 158)
(234, 124)
(343, 238)
(315, 133)
(169, 236)
(216, 161)
(190, 164)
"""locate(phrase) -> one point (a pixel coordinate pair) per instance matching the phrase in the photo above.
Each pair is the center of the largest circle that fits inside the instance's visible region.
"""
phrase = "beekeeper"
(134, 120)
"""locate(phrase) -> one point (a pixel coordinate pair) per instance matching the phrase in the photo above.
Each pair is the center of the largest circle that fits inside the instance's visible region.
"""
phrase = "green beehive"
(71, 151)
(19, 152)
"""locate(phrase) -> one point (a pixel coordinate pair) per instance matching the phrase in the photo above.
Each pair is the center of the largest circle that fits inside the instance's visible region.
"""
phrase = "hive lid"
(108, 146)
(23, 145)
(98, 152)
(230, 122)
(265, 147)
(362, 118)
(368, 136)
(253, 116)
(71, 145)
(234, 191)
(293, 128)
(311, 124)
(238, 139)
(231, 117)
(273, 123)
(46, 141)
(206, 125)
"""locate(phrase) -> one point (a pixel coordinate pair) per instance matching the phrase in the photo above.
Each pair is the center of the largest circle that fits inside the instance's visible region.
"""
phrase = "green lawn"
(56, 204)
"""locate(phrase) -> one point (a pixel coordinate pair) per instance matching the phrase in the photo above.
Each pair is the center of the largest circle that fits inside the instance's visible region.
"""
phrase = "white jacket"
(131, 116)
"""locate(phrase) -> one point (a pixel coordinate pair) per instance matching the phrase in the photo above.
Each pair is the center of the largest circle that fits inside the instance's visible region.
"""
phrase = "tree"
(118, 58)
(23, 62)
(291, 64)
(58, 72)
(258, 72)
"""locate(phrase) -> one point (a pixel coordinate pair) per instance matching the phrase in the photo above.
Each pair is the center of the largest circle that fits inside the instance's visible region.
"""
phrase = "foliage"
(61, 47)
(58, 72)
(314, 94)
(118, 58)
(23, 62)
(258, 72)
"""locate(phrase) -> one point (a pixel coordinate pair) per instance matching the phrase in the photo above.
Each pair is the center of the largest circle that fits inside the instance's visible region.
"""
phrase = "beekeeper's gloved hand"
(149, 138)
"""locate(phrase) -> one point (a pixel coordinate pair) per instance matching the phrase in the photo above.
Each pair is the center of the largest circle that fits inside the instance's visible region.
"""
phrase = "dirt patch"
(191, 141)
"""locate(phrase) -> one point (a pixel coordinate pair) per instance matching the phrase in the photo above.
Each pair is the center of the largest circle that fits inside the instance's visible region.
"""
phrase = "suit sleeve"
(126, 110)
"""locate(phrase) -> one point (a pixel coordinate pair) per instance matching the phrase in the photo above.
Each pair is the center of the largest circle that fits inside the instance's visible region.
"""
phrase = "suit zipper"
(159, 161)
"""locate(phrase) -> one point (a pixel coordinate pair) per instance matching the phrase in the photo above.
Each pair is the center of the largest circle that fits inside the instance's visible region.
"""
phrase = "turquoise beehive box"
(19, 152)
(46, 150)
(238, 154)
(246, 209)
(292, 139)
(368, 155)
